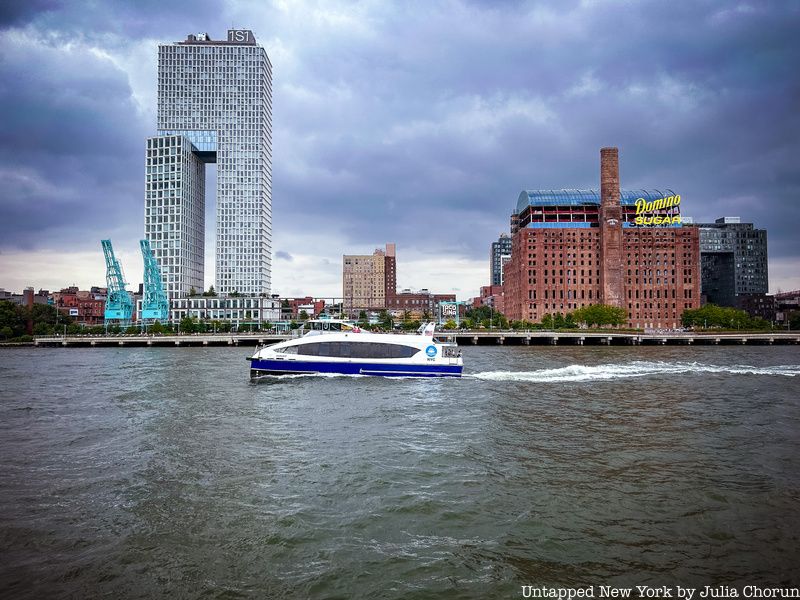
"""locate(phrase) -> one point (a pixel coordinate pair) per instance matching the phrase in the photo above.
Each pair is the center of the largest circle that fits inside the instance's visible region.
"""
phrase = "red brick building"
(417, 303)
(82, 306)
(491, 295)
(312, 307)
(572, 248)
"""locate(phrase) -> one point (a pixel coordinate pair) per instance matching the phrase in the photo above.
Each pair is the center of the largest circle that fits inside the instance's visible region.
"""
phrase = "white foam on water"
(285, 376)
(578, 373)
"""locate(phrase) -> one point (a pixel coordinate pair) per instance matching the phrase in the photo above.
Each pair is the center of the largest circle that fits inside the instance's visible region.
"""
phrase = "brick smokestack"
(27, 300)
(611, 265)
(390, 274)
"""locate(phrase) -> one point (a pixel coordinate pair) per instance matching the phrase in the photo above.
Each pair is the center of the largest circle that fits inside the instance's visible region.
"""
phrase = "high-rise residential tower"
(369, 280)
(499, 255)
(214, 106)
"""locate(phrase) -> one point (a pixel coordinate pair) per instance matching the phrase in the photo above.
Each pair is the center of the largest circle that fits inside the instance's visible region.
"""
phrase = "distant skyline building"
(369, 279)
(418, 304)
(733, 261)
(214, 106)
(574, 248)
(499, 255)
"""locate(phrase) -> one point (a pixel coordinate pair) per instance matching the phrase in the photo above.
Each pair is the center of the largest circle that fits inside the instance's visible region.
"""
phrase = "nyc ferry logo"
(646, 212)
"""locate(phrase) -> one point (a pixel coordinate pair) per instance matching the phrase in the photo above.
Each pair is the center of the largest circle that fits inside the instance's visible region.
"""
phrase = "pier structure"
(462, 338)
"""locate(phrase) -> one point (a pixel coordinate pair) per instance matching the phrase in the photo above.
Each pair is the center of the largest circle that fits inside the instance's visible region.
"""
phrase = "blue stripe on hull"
(345, 368)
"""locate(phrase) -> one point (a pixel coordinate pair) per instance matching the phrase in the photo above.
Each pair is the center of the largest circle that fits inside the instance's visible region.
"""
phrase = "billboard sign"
(449, 311)
(663, 211)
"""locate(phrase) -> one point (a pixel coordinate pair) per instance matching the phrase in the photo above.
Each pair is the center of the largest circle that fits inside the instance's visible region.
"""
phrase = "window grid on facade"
(214, 105)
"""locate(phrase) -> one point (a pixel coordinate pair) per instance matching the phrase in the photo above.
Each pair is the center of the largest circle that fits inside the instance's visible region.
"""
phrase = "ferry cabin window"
(356, 350)
(451, 352)
(325, 326)
(287, 350)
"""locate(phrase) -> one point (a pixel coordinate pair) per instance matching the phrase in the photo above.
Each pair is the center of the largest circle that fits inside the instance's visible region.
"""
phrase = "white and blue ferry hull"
(352, 352)
(261, 367)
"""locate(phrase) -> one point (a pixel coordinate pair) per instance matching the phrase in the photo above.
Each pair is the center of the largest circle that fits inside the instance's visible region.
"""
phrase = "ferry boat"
(332, 346)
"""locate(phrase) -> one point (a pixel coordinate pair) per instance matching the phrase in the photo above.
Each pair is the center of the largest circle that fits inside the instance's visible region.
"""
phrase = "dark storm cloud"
(19, 12)
(133, 20)
(444, 115)
(420, 123)
(67, 160)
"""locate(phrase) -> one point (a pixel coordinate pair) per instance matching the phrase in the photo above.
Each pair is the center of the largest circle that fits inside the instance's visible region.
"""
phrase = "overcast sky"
(411, 122)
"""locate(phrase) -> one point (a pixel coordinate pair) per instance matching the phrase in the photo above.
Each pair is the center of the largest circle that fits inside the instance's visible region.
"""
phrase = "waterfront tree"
(188, 325)
(12, 318)
(385, 320)
(600, 315)
(44, 313)
(42, 329)
(44, 317)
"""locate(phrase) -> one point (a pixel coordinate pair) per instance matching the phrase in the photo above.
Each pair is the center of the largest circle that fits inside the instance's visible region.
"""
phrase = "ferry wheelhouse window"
(324, 326)
(356, 350)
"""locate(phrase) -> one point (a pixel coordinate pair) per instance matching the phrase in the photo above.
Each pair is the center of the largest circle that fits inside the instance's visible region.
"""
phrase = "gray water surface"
(164, 472)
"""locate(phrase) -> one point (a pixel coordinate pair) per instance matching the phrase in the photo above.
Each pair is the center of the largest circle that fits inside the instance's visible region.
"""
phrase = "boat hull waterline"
(259, 368)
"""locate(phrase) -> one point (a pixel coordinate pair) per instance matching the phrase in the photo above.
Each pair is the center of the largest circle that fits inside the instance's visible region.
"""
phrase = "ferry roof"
(579, 197)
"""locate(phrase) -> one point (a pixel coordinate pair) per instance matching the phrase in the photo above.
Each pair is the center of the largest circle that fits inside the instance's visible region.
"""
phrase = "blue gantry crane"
(155, 305)
(119, 306)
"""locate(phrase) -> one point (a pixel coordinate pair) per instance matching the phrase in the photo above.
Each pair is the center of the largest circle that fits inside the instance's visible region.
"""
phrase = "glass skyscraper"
(734, 261)
(214, 106)
(499, 255)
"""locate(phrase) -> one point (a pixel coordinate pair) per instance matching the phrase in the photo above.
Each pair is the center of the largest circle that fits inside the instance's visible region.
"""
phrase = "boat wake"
(579, 373)
(290, 376)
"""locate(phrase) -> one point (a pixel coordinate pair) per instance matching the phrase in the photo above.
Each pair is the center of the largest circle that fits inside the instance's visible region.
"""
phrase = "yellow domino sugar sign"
(647, 212)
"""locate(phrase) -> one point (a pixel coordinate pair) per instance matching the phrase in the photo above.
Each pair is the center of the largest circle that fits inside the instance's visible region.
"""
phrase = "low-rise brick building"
(83, 307)
(417, 303)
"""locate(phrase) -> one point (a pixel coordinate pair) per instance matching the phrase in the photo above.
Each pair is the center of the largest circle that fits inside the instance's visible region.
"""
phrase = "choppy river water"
(157, 472)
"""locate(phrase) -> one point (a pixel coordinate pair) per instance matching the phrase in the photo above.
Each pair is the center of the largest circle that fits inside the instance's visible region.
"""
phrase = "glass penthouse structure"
(214, 106)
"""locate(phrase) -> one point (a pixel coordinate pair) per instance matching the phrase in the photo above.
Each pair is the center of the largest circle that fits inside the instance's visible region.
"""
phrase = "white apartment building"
(214, 106)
